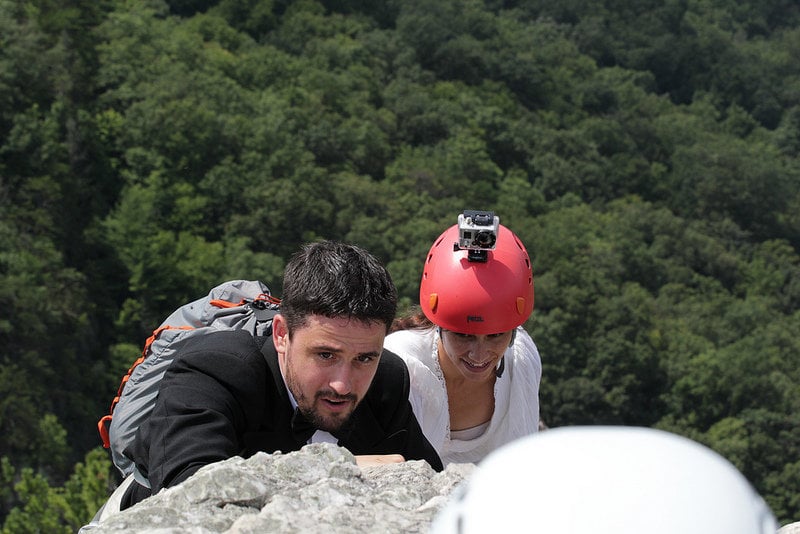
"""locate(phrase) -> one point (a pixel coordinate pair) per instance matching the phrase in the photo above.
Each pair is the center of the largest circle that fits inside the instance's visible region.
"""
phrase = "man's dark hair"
(337, 280)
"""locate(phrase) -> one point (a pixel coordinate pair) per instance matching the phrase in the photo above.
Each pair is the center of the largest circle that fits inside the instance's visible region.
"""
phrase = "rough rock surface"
(317, 489)
(791, 528)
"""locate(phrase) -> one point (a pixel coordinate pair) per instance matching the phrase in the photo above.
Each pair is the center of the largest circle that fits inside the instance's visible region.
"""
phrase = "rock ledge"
(317, 489)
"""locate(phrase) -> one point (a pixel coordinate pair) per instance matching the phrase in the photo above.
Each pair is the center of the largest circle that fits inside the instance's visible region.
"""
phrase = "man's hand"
(369, 460)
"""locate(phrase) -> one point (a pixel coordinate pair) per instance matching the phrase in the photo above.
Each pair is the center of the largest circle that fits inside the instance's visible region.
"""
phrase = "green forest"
(645, 151)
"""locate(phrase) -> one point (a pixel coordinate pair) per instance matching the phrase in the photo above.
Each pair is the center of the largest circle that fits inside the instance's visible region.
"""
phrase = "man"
(322, 376)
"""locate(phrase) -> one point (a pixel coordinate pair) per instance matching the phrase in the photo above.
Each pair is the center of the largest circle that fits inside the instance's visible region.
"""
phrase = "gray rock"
(791, 528)
(317, 489)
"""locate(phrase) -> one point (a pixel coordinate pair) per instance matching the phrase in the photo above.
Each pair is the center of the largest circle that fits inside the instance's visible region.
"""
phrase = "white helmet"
(605, 480)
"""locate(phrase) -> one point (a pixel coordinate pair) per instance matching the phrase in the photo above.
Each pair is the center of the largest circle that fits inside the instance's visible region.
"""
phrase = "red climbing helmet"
(478, 296)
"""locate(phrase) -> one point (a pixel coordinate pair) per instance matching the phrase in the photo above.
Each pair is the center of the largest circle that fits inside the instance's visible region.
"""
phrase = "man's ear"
(280, 333)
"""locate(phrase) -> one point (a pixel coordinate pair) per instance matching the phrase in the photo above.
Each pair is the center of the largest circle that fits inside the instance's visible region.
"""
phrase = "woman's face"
(472, 357)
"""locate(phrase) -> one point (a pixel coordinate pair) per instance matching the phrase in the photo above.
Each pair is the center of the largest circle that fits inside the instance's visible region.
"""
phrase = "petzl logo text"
(474, 319)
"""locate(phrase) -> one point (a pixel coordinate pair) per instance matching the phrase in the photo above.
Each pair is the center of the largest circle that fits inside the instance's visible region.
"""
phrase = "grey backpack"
(234, 305)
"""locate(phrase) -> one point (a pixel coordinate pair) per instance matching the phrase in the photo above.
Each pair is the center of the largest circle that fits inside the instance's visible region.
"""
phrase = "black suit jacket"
(224, 396)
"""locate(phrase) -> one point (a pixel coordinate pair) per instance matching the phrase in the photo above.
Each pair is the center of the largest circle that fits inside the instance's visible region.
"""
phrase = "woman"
(475, 371)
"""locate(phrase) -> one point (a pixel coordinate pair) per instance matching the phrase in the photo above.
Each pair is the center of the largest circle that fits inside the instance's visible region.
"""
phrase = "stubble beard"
(312, 413)
(329, 423)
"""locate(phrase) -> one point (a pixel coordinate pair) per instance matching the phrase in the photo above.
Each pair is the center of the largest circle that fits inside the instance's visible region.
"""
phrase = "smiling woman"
(475, 371)
(475, 354)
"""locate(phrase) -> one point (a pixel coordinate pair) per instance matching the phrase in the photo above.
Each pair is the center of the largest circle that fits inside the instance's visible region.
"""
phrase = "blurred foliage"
(646, 152)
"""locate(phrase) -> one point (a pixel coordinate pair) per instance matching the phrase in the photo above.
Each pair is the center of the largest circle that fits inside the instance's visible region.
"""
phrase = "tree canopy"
(645, 152)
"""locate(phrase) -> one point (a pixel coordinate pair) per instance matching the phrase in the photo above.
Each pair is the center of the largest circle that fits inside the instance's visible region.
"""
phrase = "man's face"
(328, 365)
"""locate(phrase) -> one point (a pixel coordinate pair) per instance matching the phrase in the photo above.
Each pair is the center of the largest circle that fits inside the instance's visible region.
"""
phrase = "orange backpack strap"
(261, 301)
(245, 305)
(105, 422)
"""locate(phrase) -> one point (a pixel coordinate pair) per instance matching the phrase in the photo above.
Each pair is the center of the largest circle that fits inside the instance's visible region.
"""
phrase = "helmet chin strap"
(501, 365)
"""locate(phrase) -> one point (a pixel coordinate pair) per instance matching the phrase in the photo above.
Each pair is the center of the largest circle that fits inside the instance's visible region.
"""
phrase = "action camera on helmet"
(477, 230)
(477, 233)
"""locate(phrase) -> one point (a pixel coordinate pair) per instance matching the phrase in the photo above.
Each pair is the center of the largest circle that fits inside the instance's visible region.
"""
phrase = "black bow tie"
(302, 429)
